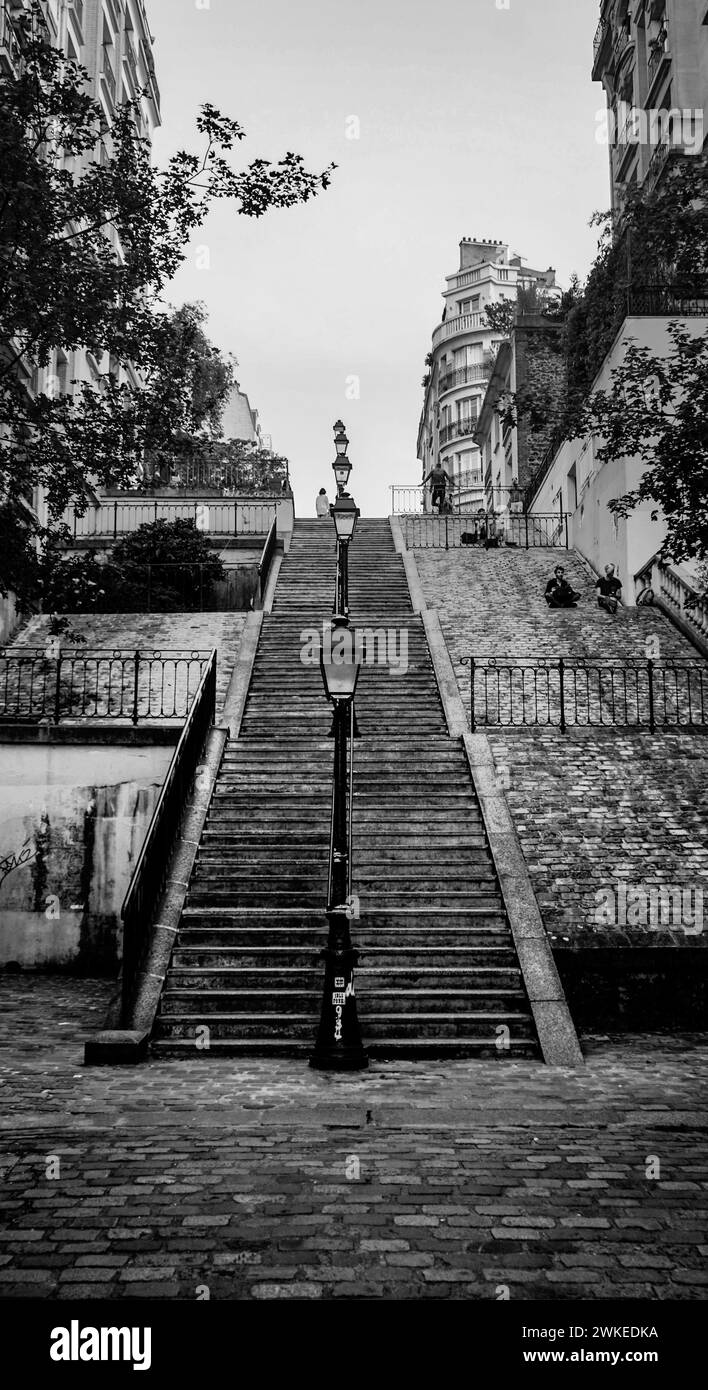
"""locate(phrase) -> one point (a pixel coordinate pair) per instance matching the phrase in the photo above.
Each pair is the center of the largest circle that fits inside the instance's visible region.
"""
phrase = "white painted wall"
(595, 532)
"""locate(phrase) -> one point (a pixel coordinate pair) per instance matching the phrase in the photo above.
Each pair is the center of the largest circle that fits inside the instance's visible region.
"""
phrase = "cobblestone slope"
(456, 1180)
(593, 808)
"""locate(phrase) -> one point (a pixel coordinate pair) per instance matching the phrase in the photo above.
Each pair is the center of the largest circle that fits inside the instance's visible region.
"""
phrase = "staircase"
(438, 974)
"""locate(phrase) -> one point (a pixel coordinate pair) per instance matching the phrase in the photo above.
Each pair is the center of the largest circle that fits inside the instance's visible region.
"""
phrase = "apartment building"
(651, 57)
(464, 350)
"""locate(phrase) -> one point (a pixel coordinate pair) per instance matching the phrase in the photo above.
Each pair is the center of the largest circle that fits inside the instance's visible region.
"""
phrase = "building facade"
(112, 40)
(460, 365)
(651, 57)
(240, 419)
(513, 441)
(652, 54)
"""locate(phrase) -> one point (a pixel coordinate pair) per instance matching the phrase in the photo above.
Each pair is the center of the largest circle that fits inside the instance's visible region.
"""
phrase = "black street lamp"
(342, 467)
(339, 1046)
(345, 515)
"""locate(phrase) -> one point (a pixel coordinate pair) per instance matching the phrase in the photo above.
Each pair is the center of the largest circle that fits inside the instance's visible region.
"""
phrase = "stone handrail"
(683, 604)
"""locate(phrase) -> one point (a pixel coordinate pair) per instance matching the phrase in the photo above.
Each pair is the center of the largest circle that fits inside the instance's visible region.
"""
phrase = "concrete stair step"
(279, 999)
(378, 1026)
(483, 965)
(404, 1049)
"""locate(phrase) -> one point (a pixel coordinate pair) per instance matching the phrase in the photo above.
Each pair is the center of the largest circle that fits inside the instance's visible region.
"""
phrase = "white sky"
(475, 121)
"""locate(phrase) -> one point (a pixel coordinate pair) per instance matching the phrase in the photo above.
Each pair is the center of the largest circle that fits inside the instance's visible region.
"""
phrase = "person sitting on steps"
(609, 590)
(559, 592)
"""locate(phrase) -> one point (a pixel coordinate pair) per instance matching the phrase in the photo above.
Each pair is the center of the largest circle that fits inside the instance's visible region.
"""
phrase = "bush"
(163, 567)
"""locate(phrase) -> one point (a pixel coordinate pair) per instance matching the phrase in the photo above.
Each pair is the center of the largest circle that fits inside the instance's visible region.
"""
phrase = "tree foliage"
(88, 245)
(163, 566)
(657, 410)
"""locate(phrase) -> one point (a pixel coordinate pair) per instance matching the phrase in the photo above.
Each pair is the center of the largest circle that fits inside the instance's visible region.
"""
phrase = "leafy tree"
(163, 566)
(87, 247)
(500, 316)
(185, 392)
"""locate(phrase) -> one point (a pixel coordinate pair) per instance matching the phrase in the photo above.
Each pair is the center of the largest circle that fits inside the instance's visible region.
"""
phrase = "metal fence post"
(567, 538)
(155, 509)
(561, 673)
(235, 518)
(527, 529)
(650, 674)
(57, 692)
(447, 541)
(115, 520)
(473, 715)
(136, 660)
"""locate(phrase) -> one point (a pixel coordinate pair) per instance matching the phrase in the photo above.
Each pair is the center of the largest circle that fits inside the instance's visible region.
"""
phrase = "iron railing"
(433, 532)
(153, 866)
(266, 559)
(214, 516)
(661, 301)
(49, 685)
(511, 692)
(458, 429)
(463, 376)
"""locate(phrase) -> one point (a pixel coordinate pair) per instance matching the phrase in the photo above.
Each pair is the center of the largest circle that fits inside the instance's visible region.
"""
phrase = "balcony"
(459, 429)
(600, 46)
(456, 326)
(668, 301)
(462, 376)
(659, 61)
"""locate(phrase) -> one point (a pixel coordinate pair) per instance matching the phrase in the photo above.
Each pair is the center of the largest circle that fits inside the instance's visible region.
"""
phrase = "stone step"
(180, 999)
(375, 1026)
(394, 1048)
(479, 964)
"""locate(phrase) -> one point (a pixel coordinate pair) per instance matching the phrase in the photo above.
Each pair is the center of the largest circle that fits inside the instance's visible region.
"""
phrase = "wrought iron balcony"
(459, 429)
(463, 376)
(659, 301)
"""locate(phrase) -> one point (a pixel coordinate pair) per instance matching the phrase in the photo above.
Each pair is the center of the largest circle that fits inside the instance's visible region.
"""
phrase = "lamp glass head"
(342, 469)
(345, 514)
(340, 664)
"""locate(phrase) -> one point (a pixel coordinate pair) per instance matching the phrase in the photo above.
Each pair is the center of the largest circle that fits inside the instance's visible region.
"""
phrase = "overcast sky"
(474, 121)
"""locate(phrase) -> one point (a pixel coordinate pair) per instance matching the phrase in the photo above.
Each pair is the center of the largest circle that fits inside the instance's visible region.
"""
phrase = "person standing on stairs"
(438, 477)
(322, 504)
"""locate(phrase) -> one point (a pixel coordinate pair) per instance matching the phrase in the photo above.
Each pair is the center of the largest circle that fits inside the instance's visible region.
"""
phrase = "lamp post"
(341, 466)
(338, 1046)
(345, 515)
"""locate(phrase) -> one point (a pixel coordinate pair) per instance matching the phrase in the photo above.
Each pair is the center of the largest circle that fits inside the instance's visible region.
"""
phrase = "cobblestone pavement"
(265, 1180)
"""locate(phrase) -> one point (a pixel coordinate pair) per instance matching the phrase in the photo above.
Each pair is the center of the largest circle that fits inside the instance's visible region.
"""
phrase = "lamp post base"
(339, 1046)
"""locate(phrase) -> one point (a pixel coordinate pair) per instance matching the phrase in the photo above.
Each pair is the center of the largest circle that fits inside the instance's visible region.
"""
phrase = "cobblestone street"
(468, 1180)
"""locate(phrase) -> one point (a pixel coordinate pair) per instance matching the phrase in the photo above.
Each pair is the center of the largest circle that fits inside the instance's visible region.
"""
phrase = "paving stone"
(473, 1128)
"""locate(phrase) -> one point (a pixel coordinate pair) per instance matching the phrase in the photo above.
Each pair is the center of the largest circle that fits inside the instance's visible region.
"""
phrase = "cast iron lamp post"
(339, 1046)
(341, 466)
(345, 515)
